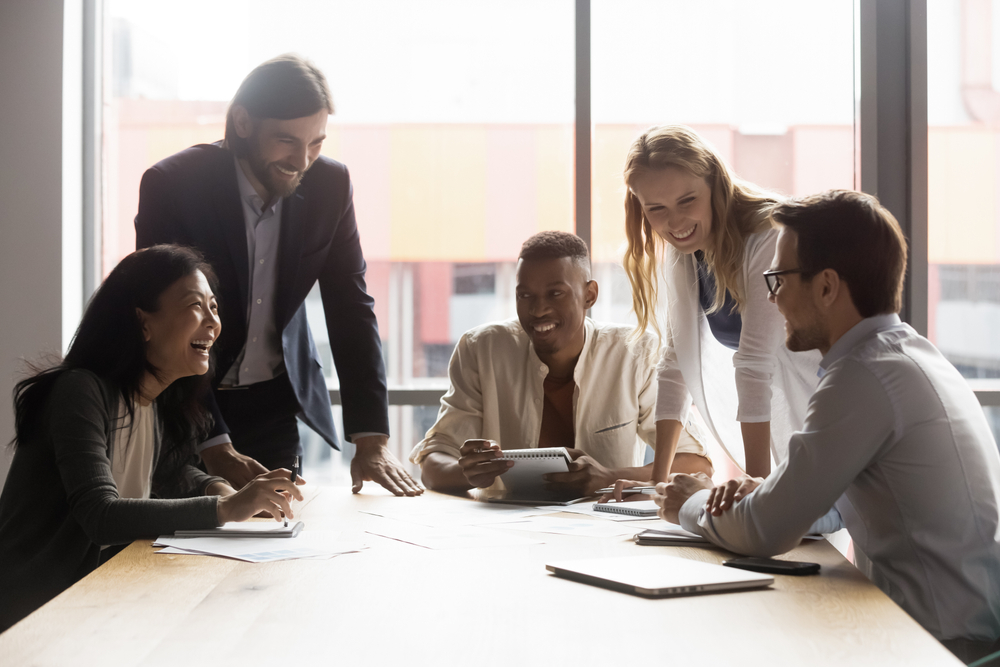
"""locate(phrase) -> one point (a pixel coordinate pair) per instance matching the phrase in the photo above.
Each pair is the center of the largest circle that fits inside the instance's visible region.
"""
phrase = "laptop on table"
(658, 576)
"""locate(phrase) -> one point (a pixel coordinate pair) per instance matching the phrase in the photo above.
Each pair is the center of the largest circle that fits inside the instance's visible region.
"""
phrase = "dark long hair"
(109, 343)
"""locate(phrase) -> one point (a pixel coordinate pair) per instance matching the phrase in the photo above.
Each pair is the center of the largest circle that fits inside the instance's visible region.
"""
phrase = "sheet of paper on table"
(461, 514)
(449, 537)
(571, 526)
(313, 544)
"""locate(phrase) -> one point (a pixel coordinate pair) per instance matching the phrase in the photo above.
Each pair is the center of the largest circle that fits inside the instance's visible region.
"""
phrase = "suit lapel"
(229, 210)
(290, 240)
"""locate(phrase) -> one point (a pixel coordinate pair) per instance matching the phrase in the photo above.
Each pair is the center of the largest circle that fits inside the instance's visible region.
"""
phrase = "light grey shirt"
(261, 358)
(895, 438)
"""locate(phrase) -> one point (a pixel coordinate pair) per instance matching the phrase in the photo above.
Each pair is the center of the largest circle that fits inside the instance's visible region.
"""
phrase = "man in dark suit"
(274, 217)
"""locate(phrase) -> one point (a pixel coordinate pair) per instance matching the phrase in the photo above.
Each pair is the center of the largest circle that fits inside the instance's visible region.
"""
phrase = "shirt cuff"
(364, 434)
(830, 522)
(692, 511)
(212, 442)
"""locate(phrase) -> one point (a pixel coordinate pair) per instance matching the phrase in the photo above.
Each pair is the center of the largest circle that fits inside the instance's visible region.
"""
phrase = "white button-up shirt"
(497, 394)
(896, 440)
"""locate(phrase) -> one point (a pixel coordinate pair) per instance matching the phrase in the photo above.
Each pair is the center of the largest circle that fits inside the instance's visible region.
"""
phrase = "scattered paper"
(454, 537)
(462, 514)
(566, 526)
(312, 544)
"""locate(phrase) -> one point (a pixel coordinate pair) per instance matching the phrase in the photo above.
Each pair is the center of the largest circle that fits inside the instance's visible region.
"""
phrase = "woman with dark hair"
(105, 439)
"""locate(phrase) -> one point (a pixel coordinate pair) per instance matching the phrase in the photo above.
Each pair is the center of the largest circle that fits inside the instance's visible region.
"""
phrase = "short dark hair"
(284, 87)
(556, 245)
(853, 234)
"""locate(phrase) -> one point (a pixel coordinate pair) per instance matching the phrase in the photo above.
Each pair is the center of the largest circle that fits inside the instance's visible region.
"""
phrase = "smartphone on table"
(773, 566)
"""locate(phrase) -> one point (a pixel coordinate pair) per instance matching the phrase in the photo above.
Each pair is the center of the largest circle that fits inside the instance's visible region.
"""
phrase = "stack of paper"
(308, 544)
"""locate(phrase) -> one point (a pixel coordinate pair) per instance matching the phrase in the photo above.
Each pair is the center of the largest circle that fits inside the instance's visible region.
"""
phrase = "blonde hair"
(738, 210)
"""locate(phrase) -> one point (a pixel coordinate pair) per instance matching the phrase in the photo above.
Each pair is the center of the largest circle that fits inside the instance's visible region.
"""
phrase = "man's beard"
(262, 170)
(803, 340)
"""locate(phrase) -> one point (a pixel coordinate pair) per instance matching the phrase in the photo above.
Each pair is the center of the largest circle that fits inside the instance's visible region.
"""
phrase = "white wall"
(34, 183)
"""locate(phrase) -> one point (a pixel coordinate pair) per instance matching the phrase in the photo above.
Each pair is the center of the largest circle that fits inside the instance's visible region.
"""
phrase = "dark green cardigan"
(60, 504)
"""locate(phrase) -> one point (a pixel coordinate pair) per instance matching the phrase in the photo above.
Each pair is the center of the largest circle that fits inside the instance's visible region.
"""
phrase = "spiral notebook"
(524, 482)
(638, 508)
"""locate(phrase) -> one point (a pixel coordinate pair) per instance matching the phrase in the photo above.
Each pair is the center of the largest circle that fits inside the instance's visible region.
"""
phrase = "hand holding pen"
(295, 476)
(270, 493)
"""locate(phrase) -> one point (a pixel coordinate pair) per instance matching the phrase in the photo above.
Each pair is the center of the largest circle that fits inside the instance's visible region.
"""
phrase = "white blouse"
(133, 451)
(771, 383)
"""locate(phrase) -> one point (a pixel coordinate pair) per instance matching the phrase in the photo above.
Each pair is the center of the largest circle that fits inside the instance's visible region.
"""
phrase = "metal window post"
(582, 125)
(893, 119)
(93, 140)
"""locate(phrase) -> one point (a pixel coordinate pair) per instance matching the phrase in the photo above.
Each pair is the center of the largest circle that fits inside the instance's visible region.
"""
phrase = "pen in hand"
(295, 474)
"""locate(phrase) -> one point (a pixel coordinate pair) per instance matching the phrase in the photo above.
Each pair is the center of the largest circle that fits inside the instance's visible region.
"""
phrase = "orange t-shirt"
(557, 413)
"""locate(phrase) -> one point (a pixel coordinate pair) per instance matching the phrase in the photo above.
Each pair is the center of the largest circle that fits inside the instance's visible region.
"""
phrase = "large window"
(963, 113)
(457, 120)
(769, 83)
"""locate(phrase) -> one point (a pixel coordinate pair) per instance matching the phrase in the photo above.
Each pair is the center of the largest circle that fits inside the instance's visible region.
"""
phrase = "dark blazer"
(60, 502)
(192, 198)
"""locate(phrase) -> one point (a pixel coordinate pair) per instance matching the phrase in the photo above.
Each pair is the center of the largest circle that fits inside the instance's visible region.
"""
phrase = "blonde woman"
(700, 238)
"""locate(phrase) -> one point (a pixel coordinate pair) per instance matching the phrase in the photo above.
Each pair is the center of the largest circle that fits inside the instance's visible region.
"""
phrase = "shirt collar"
(588, 339)
(588, 343)
(248, 193)
(855, 335)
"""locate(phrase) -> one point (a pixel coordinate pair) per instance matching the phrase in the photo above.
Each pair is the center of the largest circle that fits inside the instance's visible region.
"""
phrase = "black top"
(60, 503)
(725, 323)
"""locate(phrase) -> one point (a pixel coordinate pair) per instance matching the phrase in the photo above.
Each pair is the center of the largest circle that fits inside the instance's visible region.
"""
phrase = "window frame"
(890, 148)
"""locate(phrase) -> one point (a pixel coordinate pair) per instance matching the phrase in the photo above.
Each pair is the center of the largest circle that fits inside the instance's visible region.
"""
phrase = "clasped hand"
(672, 495)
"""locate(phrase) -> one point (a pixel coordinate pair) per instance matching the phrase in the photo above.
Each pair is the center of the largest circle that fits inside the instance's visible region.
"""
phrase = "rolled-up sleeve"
(461, 415)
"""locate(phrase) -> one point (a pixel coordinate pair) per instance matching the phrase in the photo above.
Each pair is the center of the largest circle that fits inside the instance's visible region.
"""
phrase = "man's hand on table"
(671, 495)
(373, 462)
(224, 461)
(724, 496)
(478, 462)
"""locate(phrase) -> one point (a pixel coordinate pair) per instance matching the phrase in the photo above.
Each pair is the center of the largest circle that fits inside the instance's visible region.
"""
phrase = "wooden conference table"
(399, 604)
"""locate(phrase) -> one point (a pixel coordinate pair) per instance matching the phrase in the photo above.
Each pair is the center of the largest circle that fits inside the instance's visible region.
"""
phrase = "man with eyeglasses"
(894, 438)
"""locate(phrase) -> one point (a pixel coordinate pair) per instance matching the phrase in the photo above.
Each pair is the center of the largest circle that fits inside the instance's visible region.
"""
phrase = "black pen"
(295, 474)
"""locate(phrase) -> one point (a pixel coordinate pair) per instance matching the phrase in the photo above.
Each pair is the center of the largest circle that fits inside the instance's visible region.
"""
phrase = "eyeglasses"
(774, 282)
